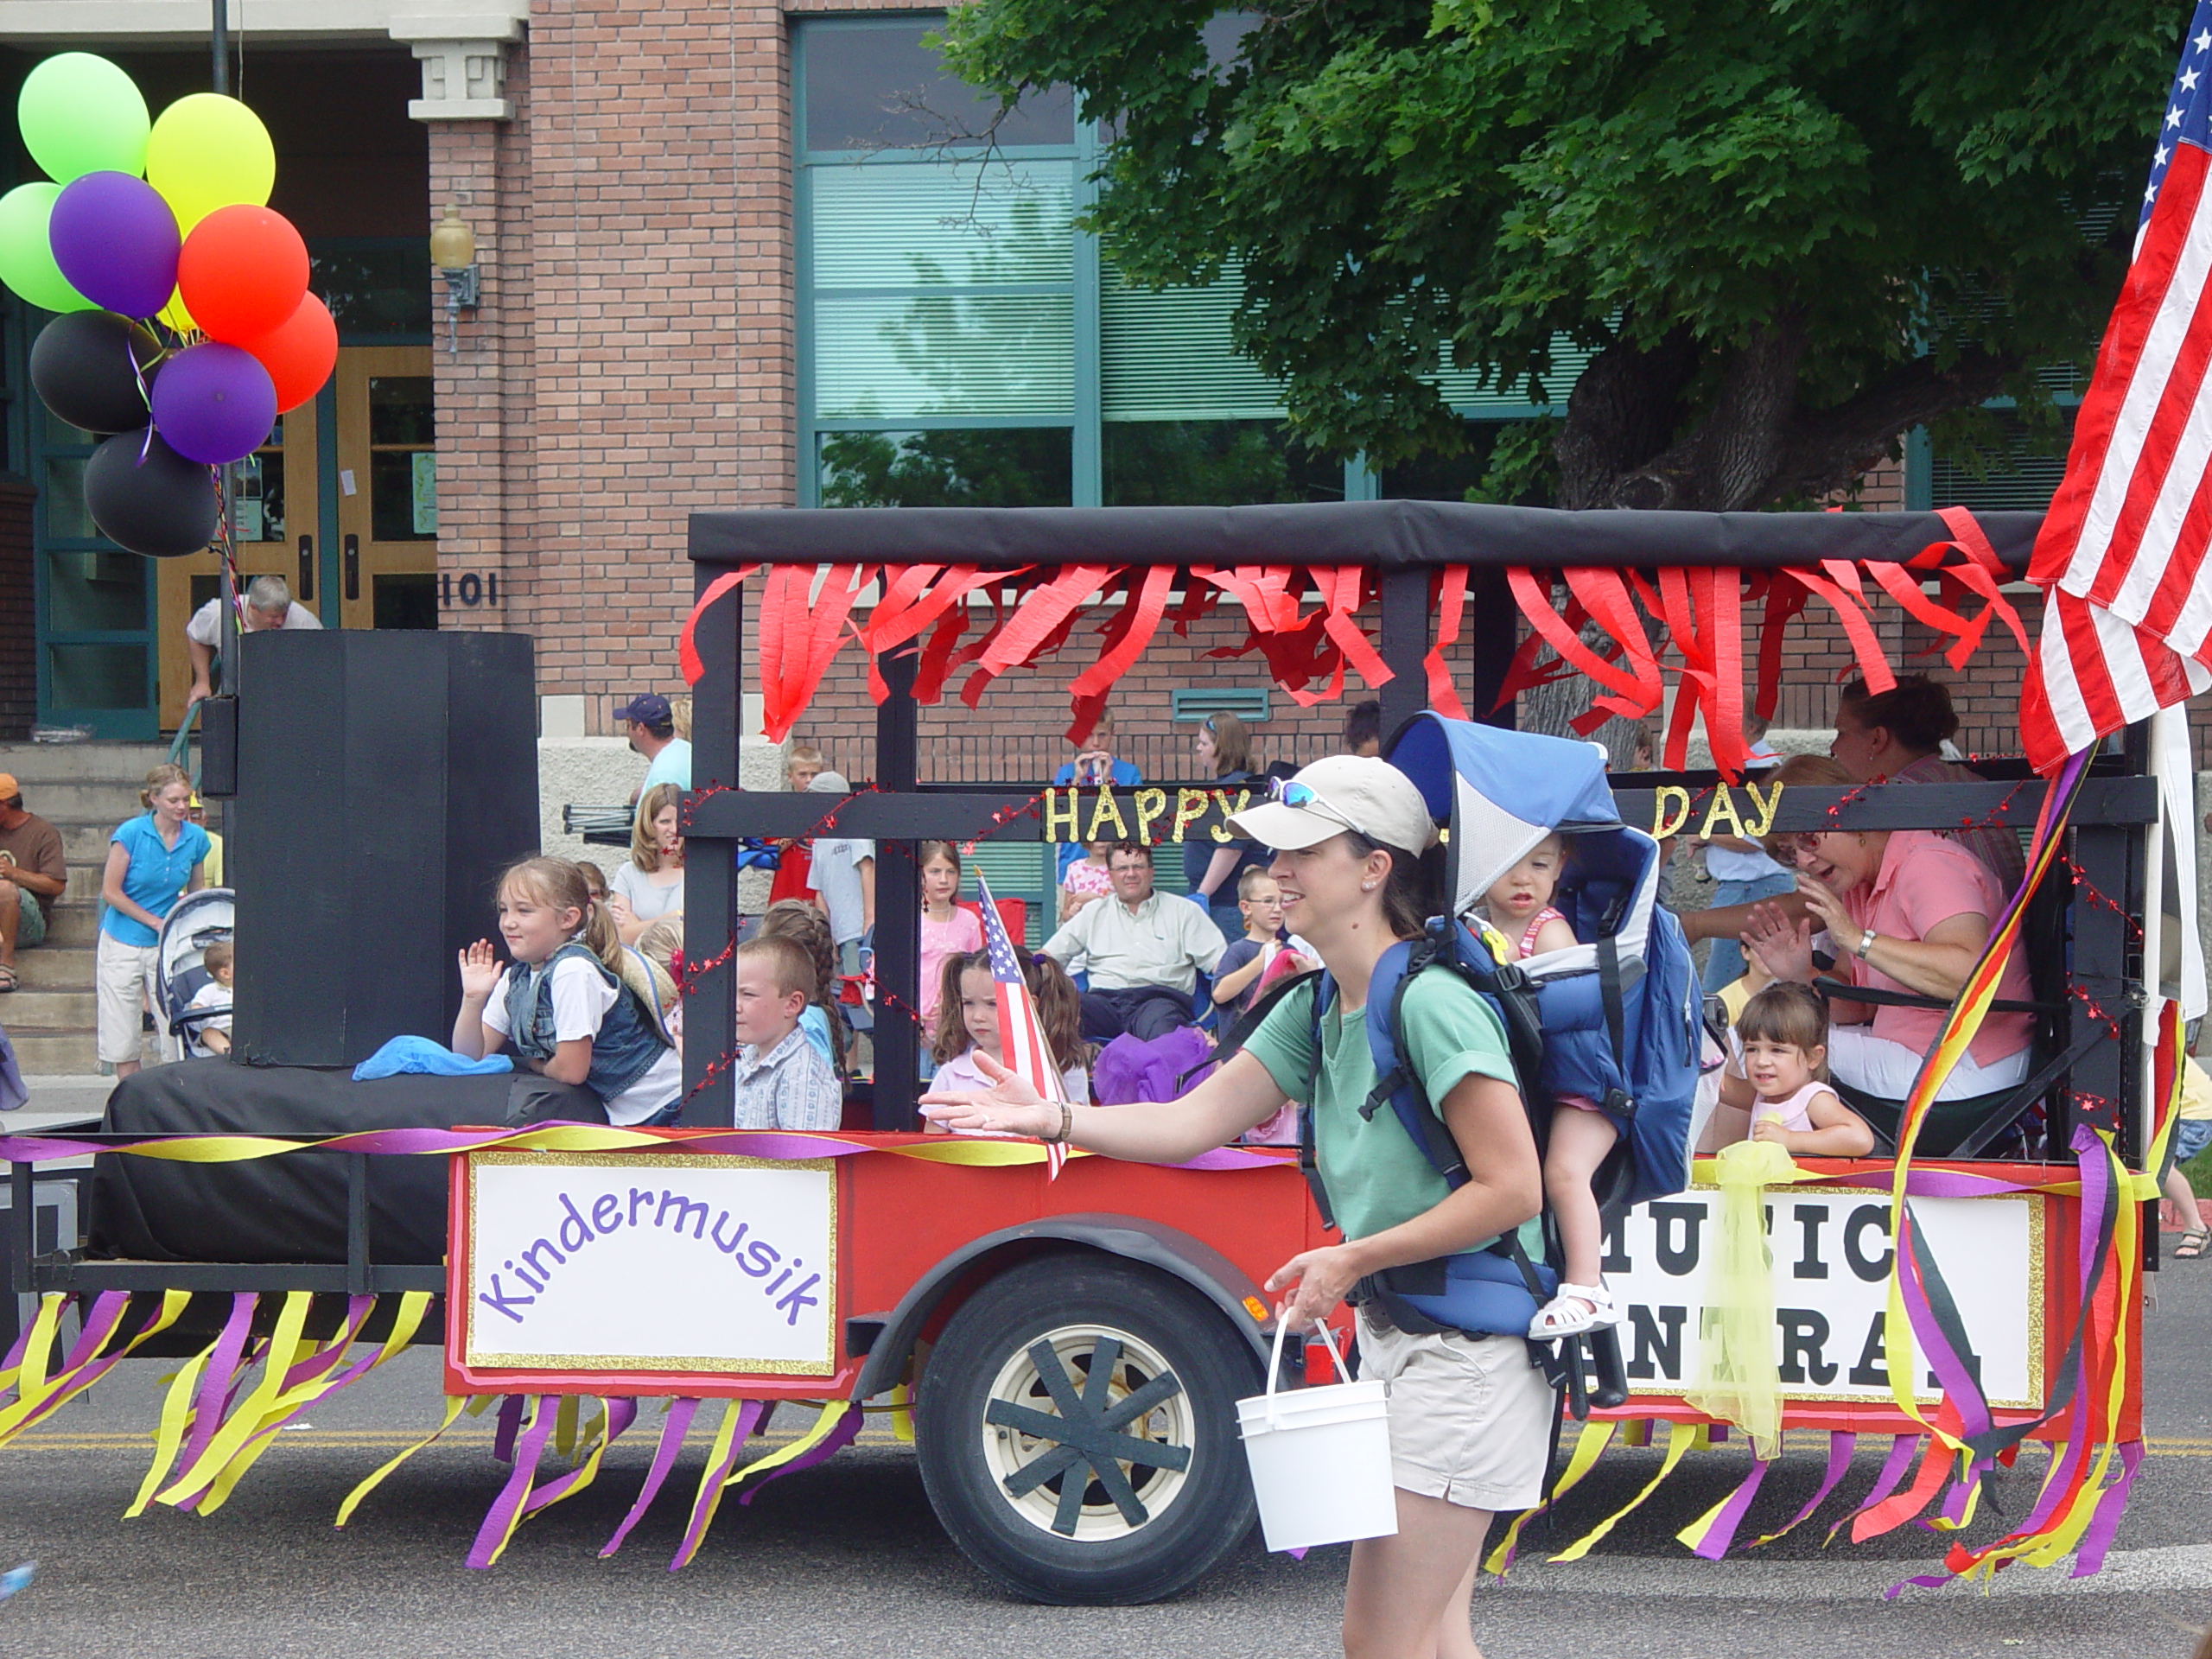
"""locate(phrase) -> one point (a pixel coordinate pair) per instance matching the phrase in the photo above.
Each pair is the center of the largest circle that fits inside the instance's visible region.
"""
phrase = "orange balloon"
(299, 355)
(242, 272)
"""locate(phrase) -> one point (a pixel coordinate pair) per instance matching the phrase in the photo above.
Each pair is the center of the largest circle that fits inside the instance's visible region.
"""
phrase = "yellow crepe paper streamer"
(902, 1414)
(1737, 1379)
(454, 1404)
(168, 1429)
(231, 1438)
(833, 1412)
(709, 1497)
(1588, 1446)
(25, 1414)
(1679, 1438)
(29, 1375)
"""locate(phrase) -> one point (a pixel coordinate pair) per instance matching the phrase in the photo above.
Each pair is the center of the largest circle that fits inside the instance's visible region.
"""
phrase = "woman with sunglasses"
(1469, 1418)
(1903, 910)
(1222, 748)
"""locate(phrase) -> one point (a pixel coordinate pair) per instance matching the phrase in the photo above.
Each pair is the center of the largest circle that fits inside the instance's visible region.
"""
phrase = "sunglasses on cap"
(1293, 793)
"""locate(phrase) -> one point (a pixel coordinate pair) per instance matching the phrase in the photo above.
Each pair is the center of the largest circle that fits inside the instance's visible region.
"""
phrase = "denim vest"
(622, 1049)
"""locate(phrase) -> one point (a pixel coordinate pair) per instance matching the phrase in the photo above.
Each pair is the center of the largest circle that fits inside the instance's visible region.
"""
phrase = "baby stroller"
(198, 920)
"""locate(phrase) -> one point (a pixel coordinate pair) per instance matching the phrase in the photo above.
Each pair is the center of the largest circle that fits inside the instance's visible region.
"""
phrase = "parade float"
(1065, 1343)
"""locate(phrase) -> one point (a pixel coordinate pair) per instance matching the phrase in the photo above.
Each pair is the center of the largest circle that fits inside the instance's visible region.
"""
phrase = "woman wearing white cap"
(1470, 1417)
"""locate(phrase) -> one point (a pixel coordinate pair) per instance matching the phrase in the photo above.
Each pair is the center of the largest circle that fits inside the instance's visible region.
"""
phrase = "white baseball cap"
(1341, 793)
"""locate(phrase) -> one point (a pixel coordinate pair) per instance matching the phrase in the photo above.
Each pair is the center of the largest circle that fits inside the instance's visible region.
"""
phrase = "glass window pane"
(880, 358)
(260, 499)
(403, 496)
(925, 223)
(1430, 477)
(95, 592)
(59, 435)
(405, 600)
(96, 677)
(375, 289)
(66, 516)
(1004, 467)
(1212, 463)
(877, 86)
(401, 410)
(1165, 355)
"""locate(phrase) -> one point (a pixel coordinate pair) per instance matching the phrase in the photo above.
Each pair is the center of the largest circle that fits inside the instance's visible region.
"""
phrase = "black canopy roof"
(1393, 535)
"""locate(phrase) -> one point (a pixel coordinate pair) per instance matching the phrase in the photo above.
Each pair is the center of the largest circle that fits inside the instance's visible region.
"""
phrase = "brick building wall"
(633, 361)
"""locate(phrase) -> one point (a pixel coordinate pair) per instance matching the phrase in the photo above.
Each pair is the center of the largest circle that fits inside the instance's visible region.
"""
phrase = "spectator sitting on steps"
(32, 877)
(268, 604)
(1144, 951)
(649, 724)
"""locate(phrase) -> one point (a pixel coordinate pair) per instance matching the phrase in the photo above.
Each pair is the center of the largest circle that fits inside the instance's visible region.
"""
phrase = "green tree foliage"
(1792, 229)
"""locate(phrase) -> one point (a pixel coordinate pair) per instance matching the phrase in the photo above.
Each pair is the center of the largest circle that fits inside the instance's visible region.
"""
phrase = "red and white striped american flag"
(2122, 553)
(1021, 1033)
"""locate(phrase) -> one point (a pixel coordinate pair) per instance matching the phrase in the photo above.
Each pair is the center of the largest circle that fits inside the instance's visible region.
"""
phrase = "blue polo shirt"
(156, 876)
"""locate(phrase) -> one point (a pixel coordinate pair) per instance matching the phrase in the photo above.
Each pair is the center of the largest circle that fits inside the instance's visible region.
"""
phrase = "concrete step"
(80, 801)
(72, 926)
(31, 1010)
(70, 1049)
(36, 764)
(84, 887)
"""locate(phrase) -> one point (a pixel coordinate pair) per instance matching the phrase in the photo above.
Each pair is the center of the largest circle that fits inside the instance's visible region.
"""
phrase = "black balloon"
(81, 367)
(162, 506)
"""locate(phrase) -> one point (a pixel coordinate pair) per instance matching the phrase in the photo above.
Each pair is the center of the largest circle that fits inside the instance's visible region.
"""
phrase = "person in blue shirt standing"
(649, 724)
(1092, 768)
(153, 860)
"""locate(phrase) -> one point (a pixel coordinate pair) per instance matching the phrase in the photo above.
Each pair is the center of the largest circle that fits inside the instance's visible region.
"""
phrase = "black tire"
(1079, 1303)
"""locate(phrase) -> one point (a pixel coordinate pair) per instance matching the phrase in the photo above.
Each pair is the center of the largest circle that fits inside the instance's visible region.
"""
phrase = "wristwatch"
(1865, 943)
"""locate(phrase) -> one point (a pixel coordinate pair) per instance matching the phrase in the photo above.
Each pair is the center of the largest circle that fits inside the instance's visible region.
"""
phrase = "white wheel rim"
(1007, 1450)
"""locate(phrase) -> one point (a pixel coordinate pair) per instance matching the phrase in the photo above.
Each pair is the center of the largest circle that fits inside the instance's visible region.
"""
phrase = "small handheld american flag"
(1021, 1033)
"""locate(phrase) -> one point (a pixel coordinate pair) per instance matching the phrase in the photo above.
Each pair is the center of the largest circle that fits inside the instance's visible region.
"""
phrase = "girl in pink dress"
(947, 930)
(1773, 1092)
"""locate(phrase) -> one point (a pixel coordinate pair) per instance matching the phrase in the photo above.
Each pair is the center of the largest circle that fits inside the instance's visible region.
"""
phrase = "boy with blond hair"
(782, 1082)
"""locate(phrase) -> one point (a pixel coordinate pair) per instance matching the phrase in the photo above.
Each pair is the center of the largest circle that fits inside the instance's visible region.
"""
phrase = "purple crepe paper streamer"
(2090, 1558)
(510, 1419)
(702, 1511)
(848, 1430)
(621, 1412)
(1901, 1447)
(673, 1429)
(1841, 1445)
(1716, 1541)
(101, 1321)
(222, 1367)
(499, 1520)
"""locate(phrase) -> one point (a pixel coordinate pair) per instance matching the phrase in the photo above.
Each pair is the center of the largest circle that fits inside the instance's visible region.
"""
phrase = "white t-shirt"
(210, 995)
(581, 997)
(206, 627)
(837, 876)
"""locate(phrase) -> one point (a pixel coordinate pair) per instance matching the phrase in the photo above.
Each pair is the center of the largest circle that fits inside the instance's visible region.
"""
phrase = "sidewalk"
(57, 1099)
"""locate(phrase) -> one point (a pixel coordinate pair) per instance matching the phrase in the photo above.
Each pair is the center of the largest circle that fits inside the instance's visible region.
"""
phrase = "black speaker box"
(384, 780)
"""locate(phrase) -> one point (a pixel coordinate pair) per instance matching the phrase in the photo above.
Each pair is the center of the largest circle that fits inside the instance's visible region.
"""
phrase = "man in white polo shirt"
(268, 604)
(1144, 951)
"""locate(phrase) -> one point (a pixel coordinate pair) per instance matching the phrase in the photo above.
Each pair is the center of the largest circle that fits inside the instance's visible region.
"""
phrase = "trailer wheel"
(1077, 1431)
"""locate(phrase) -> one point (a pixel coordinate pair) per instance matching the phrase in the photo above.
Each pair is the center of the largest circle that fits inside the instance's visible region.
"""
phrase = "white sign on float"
(648, 1262)
(1830, 1248)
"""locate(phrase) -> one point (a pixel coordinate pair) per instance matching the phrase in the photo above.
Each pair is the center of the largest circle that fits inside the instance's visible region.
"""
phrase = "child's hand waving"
(479, 970)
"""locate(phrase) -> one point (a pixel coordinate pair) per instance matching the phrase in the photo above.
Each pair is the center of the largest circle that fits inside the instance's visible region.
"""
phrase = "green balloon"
(25, 261)
(81, 114)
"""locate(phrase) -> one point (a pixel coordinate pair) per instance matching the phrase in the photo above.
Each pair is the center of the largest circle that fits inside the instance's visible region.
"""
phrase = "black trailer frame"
(1405, 541)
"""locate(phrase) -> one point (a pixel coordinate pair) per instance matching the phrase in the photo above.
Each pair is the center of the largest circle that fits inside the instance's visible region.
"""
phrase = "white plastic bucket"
(1320, 1458)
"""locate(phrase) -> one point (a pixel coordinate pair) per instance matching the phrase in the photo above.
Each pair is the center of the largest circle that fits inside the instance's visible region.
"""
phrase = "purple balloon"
(117, 241)
(214, 403)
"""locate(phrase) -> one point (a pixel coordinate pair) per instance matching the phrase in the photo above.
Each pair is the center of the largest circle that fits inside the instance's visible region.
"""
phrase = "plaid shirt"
(790, 1087)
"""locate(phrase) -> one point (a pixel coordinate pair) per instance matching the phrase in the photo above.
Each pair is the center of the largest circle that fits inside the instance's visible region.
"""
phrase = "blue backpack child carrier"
(1617, 1019)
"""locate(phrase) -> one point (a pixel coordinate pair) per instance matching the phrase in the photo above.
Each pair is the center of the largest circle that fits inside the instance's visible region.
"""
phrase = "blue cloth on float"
(421, 1055)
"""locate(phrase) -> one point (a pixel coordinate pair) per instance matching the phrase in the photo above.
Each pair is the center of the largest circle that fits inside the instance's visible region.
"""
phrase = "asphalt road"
(847, 1558)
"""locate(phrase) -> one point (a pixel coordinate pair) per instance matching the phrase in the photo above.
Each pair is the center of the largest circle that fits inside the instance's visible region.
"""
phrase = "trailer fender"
(890, 1337)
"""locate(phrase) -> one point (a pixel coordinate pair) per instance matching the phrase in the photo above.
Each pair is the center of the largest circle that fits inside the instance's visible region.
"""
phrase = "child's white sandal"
(1575, 1309)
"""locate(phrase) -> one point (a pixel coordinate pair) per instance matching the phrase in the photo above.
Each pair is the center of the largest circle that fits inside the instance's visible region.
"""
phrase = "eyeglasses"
(1291, 793)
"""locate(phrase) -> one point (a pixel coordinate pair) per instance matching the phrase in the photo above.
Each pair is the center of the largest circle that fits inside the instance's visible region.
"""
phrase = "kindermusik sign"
(589, 1262)
(1830, 1249)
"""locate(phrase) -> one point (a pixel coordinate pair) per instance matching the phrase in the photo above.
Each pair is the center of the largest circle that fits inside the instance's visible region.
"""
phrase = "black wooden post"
(2106, 1088)
(1493, 622)
(1405, 644)
(898, 904)
(710, 866)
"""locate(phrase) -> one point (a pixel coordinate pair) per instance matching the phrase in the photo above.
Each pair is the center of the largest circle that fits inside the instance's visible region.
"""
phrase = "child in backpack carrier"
(1524, 920)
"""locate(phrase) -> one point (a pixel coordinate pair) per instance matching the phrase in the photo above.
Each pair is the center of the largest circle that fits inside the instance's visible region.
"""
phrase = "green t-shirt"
(1376, 1175)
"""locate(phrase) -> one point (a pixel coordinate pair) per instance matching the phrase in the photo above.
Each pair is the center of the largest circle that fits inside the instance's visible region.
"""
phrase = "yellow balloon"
(209, 151)
(176, 316)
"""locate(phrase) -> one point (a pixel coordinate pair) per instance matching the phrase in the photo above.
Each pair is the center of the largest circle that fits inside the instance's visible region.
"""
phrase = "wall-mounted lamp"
(453, 250)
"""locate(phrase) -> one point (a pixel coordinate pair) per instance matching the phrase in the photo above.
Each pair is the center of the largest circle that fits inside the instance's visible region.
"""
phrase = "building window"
(961, 343)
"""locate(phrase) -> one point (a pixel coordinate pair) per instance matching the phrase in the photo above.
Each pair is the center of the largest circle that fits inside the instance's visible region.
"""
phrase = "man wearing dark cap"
(32, 877)
(650, 725)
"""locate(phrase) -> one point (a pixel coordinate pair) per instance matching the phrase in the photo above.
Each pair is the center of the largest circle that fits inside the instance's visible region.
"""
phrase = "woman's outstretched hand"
(1827, 908)
(479, 970)
(1009, 1106)
(1316, 1281)
(1783, 948)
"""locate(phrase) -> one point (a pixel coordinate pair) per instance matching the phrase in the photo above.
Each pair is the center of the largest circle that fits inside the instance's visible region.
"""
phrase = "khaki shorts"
(1470, 1419)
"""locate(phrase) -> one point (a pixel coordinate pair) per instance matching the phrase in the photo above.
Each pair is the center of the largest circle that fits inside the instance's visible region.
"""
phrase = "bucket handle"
(1274, 1363)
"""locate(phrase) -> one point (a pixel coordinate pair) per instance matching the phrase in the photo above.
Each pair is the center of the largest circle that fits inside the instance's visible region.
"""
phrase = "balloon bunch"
(186, 325)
